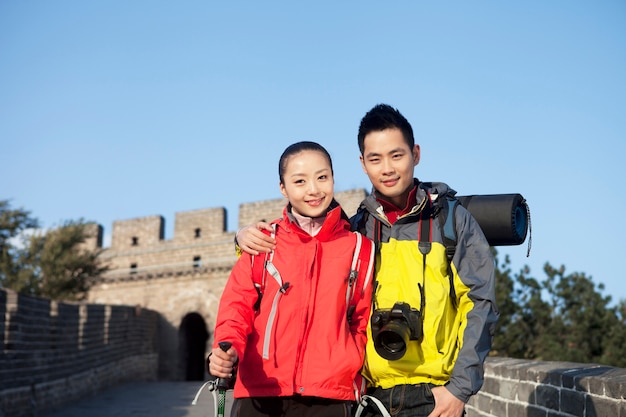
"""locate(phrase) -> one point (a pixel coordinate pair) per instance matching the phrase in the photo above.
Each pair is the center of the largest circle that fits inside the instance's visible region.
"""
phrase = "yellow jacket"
(458, 322)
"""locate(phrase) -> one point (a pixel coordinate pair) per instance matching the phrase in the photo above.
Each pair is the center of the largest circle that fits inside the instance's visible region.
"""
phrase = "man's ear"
(416, 155)
(362, 163)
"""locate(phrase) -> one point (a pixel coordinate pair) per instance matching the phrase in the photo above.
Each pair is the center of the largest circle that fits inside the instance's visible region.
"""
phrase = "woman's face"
(308, 183)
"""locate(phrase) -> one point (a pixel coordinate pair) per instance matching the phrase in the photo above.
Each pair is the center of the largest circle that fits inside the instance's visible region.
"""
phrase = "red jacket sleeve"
(361, 315)
(235, 314)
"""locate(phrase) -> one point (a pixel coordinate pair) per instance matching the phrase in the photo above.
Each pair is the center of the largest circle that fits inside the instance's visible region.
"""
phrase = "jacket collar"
(390, 213)
(334, 221)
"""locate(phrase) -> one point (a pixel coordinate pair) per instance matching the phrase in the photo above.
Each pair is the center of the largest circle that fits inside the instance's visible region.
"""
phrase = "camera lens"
(391, 341)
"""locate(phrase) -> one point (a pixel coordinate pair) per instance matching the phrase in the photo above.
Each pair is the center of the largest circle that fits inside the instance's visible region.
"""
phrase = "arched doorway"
(193, 336)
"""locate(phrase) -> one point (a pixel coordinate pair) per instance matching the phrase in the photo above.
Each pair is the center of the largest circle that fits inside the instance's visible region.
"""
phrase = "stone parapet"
(53, 352)
(523, 388)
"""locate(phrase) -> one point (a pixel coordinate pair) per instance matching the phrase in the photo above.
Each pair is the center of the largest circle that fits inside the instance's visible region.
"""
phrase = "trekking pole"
(219, 384)
(222, 385)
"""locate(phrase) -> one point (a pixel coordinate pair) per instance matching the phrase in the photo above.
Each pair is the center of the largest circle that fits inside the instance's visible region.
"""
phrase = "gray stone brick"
(526, 392)
(491, 386)
(517, 410)
(548, 397)
(573, 402)
(534, 411)
(616, 388)
(508, 389)
(587, 379)
(483, 403)
(498, 407)
(601, 406)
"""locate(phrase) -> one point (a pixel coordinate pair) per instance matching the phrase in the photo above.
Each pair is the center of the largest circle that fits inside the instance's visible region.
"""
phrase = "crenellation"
(94, 234)
(137, 233)
(199, 225)
(200, 237)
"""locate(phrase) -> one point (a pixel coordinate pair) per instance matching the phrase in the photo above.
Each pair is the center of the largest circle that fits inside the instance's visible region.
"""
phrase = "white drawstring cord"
(212, 387)
(367, 400)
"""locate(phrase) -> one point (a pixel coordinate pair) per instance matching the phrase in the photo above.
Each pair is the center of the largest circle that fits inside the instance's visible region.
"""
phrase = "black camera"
(392, 328)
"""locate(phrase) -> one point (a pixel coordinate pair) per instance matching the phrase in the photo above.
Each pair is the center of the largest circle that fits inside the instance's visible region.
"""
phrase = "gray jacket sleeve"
(475, 268)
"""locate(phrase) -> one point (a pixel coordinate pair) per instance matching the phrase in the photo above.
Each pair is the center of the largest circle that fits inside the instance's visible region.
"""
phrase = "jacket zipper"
(305, 329)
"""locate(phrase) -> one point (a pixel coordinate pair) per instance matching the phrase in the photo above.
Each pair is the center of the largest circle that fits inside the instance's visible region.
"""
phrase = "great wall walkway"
(145, 399)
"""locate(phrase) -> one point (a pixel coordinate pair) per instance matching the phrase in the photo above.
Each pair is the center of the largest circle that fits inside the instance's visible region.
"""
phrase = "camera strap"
(424, 239)
(444, 209)
(424, 236)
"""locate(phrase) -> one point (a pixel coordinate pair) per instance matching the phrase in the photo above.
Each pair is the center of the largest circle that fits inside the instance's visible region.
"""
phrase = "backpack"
(503, 218)
(358, 280)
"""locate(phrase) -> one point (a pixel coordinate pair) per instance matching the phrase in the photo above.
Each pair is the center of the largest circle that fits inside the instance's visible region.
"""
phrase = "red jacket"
(311, 347)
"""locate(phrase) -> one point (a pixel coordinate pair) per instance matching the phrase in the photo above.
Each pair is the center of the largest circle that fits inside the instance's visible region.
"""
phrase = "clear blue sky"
(111, 110)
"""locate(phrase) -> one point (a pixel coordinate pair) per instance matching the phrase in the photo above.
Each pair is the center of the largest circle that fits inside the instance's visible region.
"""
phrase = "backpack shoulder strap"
(356, 221)
(447, 220)
(259, 271)
(361, 272)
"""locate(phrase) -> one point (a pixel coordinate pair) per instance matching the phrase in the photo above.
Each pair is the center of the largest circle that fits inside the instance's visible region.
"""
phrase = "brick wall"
(53, 353)
(200, 237)
(175, 295)
(524, 388)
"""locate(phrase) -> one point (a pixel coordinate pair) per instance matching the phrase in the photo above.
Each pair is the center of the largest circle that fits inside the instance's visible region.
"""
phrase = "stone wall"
(524, 388)
(53, 353)
(176, 295)
(200, 238)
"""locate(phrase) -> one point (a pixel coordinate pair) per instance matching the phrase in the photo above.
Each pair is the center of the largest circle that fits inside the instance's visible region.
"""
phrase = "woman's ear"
(282, 190)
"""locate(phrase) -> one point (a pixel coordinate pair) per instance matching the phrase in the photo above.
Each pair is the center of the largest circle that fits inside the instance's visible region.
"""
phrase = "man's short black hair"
(381, 117)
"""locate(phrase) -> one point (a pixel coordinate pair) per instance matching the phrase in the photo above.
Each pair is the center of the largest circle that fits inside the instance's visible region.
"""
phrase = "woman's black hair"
(296, 148)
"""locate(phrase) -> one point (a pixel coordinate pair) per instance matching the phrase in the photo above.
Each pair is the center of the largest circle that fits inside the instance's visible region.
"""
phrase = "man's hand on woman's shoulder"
(252, 240)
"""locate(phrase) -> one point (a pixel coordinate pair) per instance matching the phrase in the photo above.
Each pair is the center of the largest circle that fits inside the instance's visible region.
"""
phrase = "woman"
(297, 317)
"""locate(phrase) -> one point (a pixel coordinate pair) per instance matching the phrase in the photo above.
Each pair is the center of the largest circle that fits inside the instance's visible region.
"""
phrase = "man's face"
(388, 162)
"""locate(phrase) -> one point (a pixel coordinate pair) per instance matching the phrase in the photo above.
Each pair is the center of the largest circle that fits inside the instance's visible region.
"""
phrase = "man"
(441, 314)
